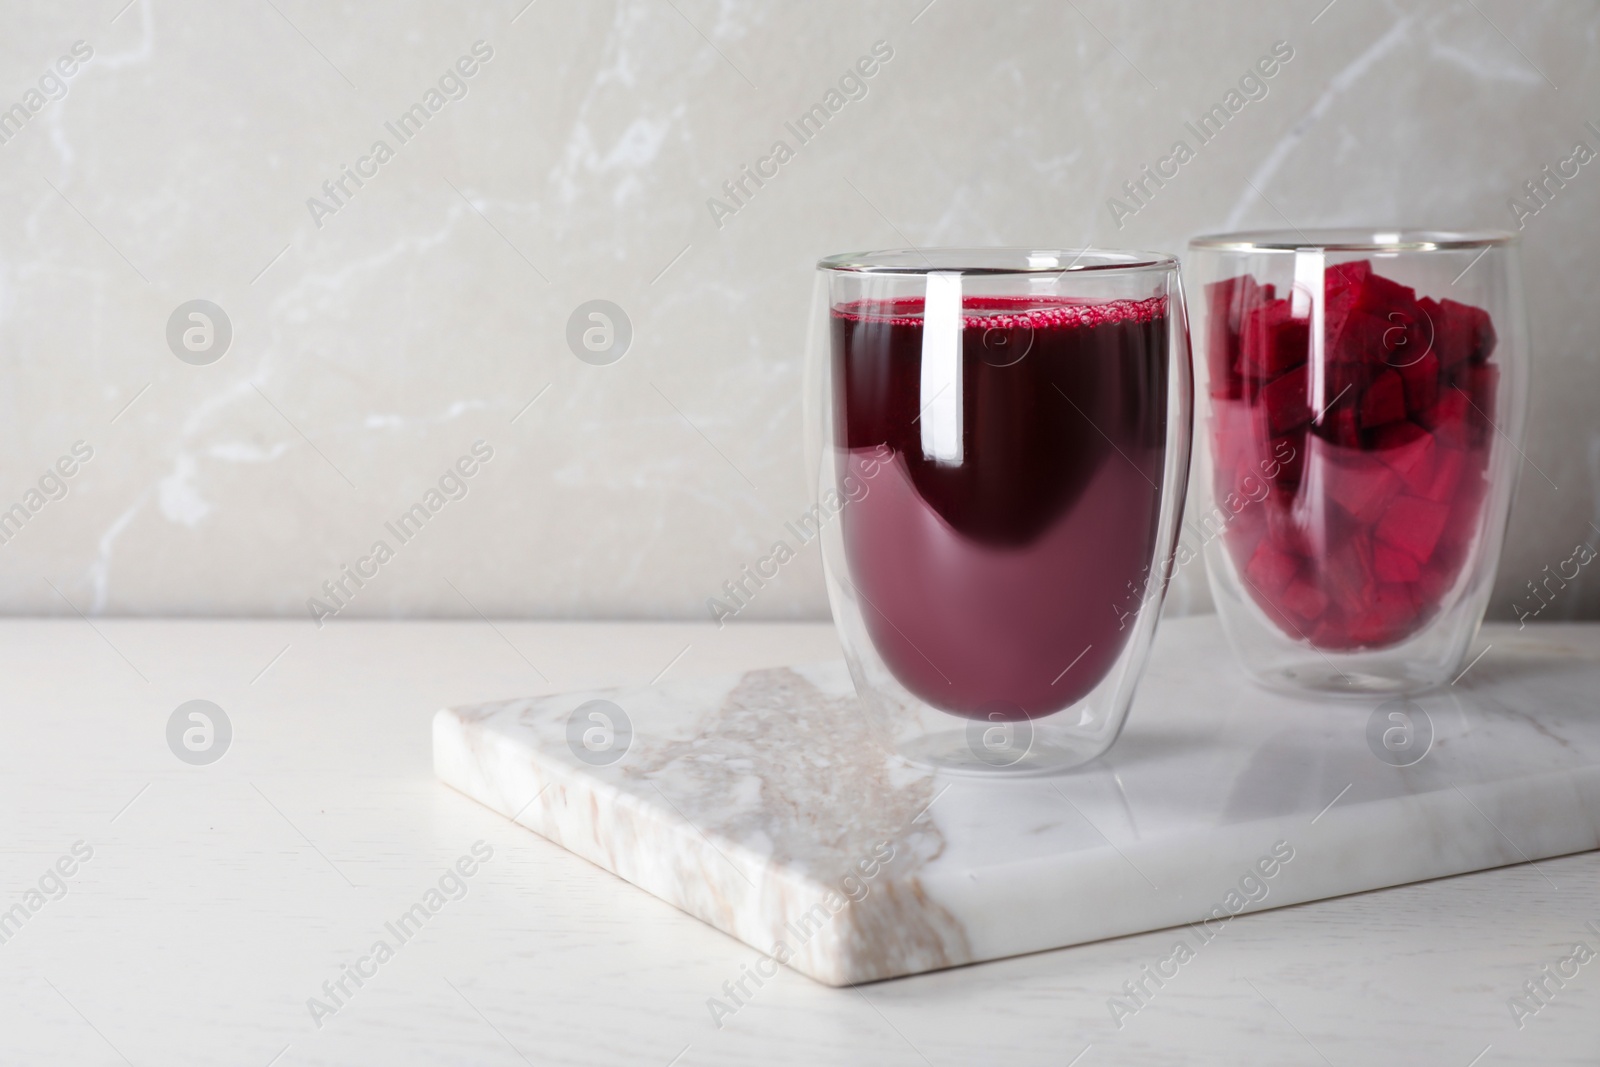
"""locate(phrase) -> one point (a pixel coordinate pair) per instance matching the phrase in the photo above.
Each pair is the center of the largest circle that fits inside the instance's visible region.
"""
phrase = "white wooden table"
(220, 898)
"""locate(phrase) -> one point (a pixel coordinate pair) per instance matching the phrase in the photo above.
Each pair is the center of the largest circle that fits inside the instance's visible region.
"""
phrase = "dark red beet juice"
(1003, 577)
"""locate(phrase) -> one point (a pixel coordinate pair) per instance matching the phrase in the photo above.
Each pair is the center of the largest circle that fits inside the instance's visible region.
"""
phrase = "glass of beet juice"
(1363, 396)
(1001, 447)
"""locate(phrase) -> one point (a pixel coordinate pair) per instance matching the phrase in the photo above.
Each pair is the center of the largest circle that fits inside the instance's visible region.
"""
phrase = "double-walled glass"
(1000, 442)
(1363, 398)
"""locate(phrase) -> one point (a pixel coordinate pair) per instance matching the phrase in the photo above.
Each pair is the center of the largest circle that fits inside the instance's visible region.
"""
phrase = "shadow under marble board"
(759, 803)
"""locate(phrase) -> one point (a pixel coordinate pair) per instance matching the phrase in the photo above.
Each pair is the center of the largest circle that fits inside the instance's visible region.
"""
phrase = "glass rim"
(1349, 239)
(997, 260)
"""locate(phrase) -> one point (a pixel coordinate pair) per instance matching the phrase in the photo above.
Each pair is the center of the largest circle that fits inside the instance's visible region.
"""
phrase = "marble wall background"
(369, 352)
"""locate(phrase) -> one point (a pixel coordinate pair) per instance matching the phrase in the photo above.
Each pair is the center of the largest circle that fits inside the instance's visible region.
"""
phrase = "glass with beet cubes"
(1000, 442)
(1362, 412)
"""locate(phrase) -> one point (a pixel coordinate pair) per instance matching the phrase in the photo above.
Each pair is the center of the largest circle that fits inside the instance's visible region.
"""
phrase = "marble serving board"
(759, 803)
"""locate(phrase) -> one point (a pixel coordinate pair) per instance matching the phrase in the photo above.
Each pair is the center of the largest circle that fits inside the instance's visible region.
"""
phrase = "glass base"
(1327, 679)
(984, 751)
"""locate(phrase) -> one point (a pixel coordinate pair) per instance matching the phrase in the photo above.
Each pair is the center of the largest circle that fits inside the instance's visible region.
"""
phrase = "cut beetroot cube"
(1483, 335)
(1411, 452)
(1397, 601)
(1331, 632)
(1436, 579)
(1344, 279)
(1413, 526)
(1378, 339)
(1289, 459)
(1448, 418)
(1347, 381)
(1285, 529)
(1384, 401)
(1397, 435)
(1444, 474)
(1453, 377)
(1230, 430)
(1448, 556)
(1272, 341)
(1393, 565)
(1347, 574)
(1392, 616)
(1284, 399)
(1229, 299)
(1481, 381)
(1381, 296)
(1339, 427)
(1220, 354)
(1419, 478)
(1366, 629)
(1461, 332)
(1228, 302)
(1472, 328)
(1344, 383)
(1433, 319)
(1404, 446)
(1271, 570)
(1243, 446)
(1369, 318)
(1421, 380)
(1219, 298)
(1407, 336)
(1243, 463)
(1359, 482)
(1305, 600)
(1340, 285)
(1460, 530)
(1248, 342)
(1360, 339)
(1222, 382)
